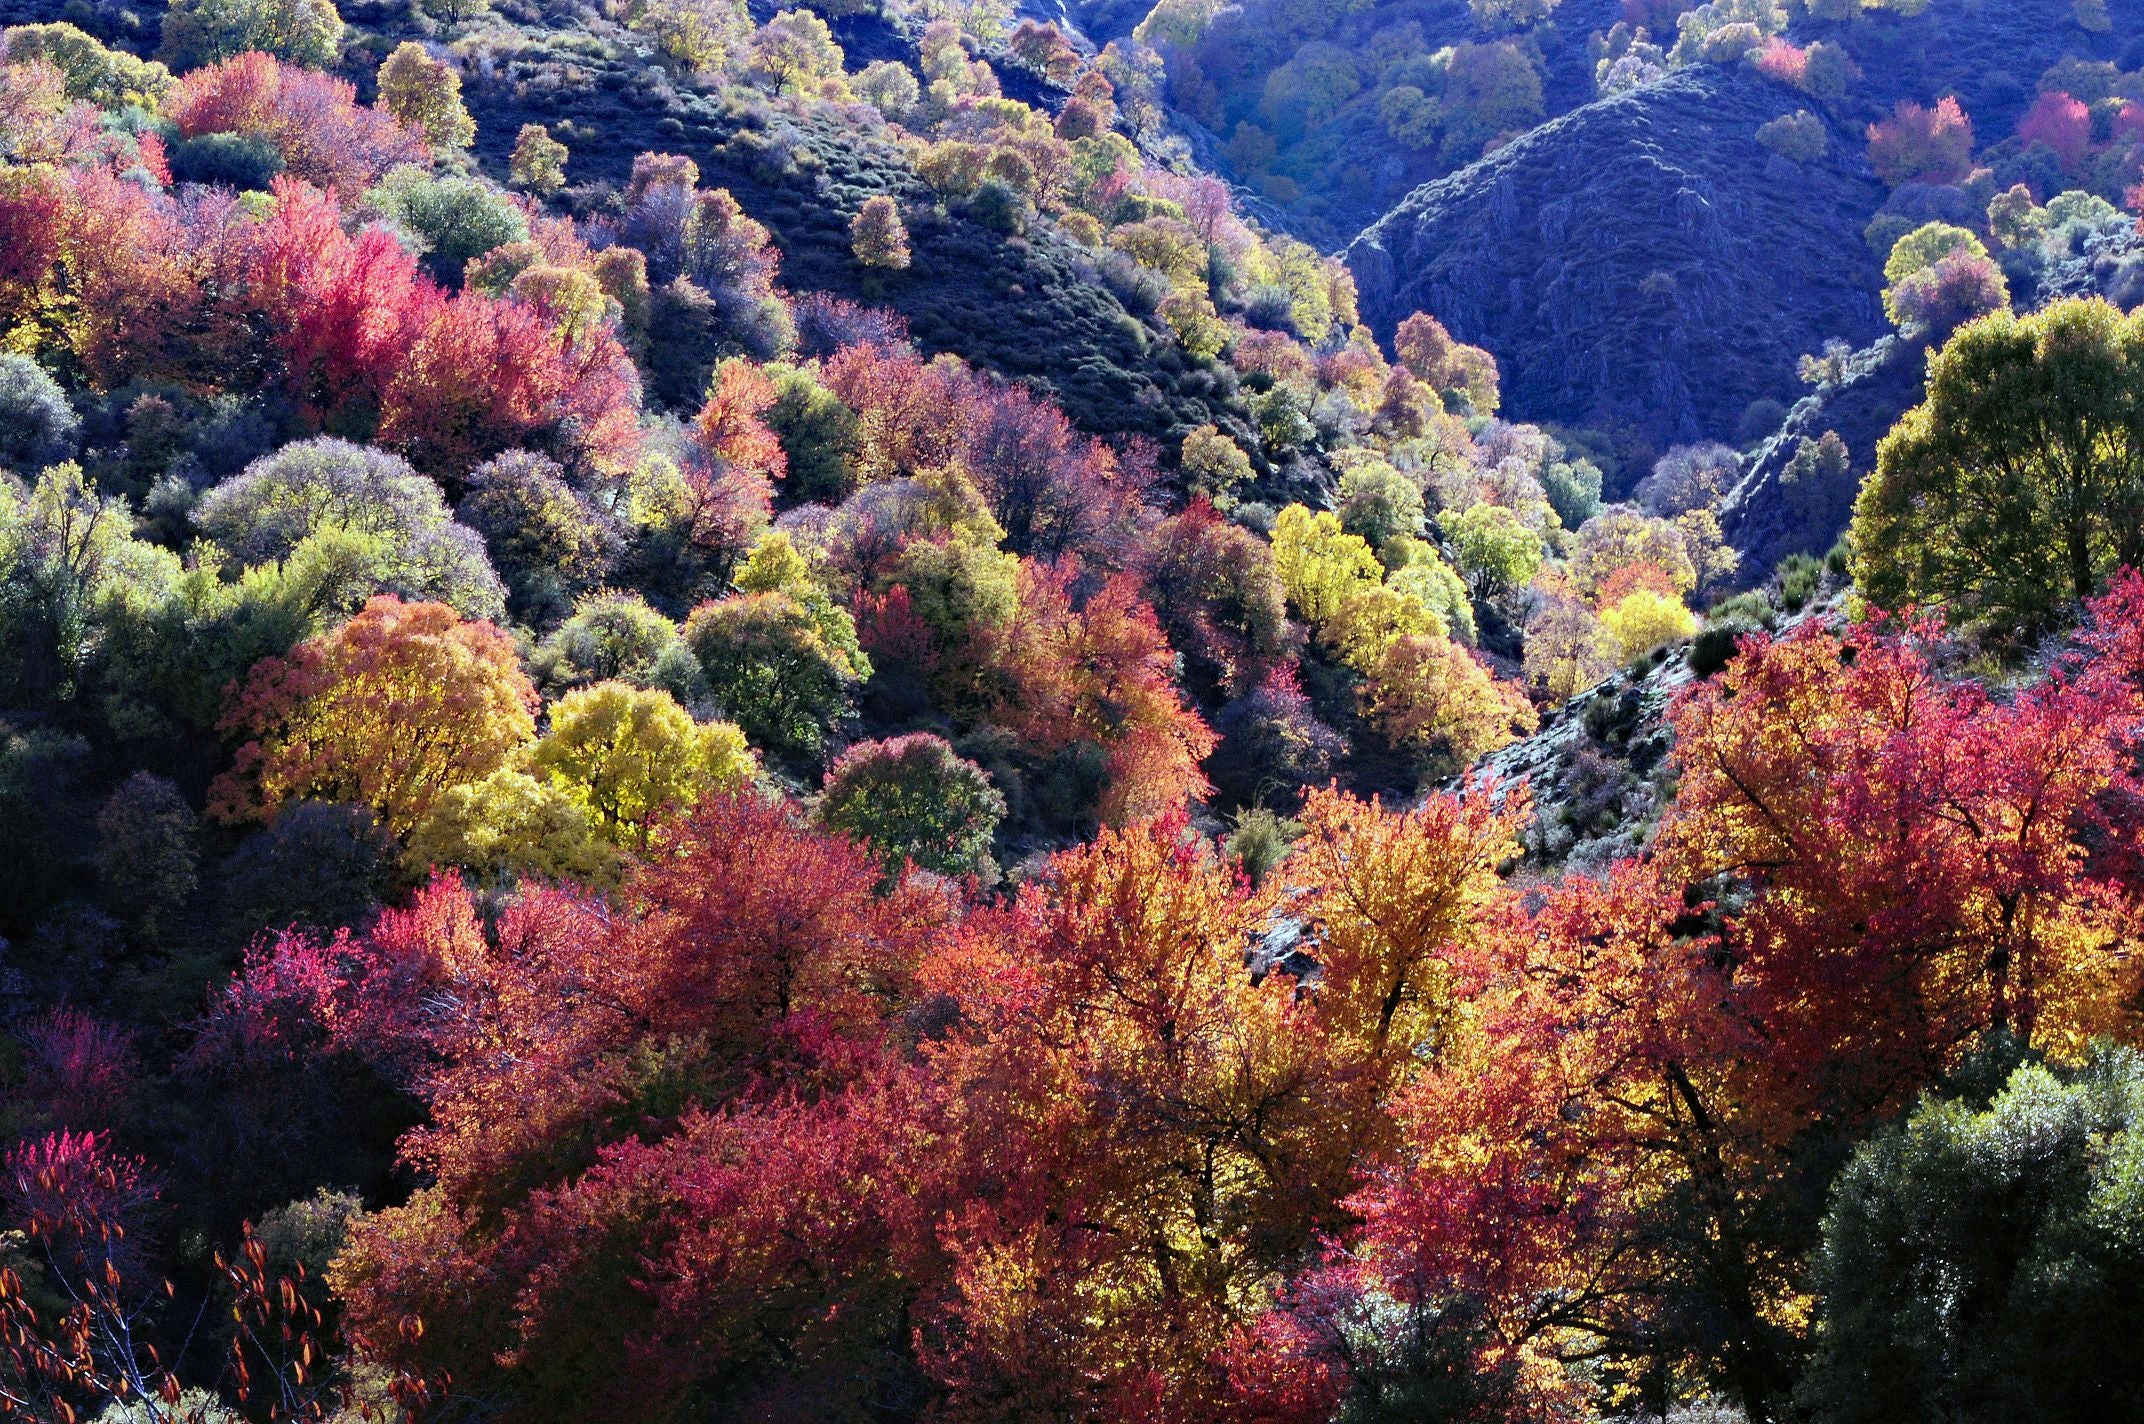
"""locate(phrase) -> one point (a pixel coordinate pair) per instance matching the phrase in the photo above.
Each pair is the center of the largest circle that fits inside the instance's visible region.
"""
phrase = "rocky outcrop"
(1642, 264)
(1767, 518)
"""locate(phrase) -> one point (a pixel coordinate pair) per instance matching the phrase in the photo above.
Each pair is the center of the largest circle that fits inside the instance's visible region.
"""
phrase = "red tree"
(1922, 145)
(2062, 123)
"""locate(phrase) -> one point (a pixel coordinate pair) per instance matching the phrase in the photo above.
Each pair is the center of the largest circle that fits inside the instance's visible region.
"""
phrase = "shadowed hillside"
(1642, 264)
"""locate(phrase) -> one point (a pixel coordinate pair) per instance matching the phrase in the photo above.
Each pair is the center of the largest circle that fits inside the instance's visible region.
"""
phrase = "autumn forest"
(955, 712)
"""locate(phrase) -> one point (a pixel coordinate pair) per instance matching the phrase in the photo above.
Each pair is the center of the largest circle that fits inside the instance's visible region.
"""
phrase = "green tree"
(914, 798)
(782, 670)
(2018, 483)
(1379, 503)
(307, 32)
(1492, 547)
(1979, 1264)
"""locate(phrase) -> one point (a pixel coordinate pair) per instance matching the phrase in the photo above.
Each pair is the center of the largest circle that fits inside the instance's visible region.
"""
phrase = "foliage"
(1219, 596)
(198, 32)
(1432, 694)
(2013, 490)
(456, 219)
(313, 122)
(106, 77)
(425, 95)
(1320, 565)
(511, 824)
(1941, 276)
(389, 710)
(911, 798)
(1463, 374)
(541, 536)
(626, 756)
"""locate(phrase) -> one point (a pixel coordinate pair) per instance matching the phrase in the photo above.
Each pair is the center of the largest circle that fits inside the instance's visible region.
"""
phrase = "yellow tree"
(626, 754)
(426, 94)
(389, 710)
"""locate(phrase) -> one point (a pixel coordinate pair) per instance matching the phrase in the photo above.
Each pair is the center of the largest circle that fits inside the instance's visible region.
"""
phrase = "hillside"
(724, 711)
(1030, 306)
(1642, 264)
(1990, 55)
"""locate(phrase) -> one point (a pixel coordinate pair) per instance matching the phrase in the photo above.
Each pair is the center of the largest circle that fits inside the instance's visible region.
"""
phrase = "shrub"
(387, 711)
(1000, 207)
(1272, 746)
(510, 824)
(2062, 124)
(1799, 575)
(2026, 1204)
(392, 525)
(318, 864)
(37, 425)
(914, 798)
(1798, 136)
(878, 237)
(888, 86)
(107, 78)
(247, 162)
(1941, 276)
(538, 164)
(1379, 504)
(314, 120)
(1212, 462)
(542, 538)
(146, 856)
(1922, 145)
(610, 636)
(456, 219)
(1573, 488)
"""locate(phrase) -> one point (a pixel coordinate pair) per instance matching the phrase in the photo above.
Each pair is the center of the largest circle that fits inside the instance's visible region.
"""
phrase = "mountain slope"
(1642, 264)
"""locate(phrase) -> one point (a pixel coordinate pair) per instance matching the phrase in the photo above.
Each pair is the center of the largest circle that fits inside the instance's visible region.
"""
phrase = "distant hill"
(1643, 264)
